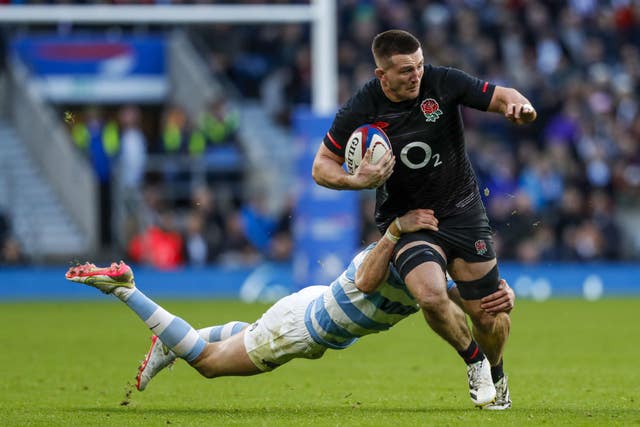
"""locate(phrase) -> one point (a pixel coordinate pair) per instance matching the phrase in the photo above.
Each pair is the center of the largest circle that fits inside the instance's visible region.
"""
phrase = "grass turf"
(570, 362)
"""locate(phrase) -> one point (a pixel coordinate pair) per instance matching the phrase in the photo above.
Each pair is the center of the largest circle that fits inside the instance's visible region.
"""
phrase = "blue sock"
(174, 332)
(221, 332)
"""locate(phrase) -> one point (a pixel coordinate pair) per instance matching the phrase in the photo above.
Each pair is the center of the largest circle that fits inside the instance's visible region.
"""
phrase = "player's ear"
(379, 72)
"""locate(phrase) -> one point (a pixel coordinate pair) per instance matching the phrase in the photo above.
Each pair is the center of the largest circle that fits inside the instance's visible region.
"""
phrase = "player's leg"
(498, 301)
(117, 279)
(422, 267)
(426, 282)
(226, 357)
(160, 356)
(503, 397)
(279, 336)
(474, 281)
(219, 358)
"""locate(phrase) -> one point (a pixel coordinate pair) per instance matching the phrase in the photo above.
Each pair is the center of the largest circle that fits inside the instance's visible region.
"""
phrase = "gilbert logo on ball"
(365, 137)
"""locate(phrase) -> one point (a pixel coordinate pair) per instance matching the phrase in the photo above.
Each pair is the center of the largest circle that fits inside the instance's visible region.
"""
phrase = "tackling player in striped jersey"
(368, 297)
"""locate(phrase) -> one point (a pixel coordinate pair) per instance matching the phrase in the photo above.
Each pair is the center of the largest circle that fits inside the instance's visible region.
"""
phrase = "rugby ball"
(359, 142)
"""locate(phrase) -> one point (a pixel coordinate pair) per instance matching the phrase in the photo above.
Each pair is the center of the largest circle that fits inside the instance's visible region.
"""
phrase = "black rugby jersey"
(432, 169)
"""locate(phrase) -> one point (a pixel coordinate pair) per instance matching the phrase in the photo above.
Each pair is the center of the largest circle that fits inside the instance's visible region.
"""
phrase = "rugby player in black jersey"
(418, 106)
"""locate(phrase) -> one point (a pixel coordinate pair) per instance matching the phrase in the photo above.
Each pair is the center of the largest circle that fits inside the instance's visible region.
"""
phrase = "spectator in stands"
(601, 211)
(180, 137)
(238, 250)
(515, 220)
(281, 243)
(566, 218)
(10, 248)
(99, 140)
(542, 184)
(205, 224)
(5, 227)
(196, 247)
(11, 253)
(160, 245)
(174, 134)
(133, 154)
(219, 123)
(130, 166)
(588, 242)
(258, 223)
(154, 201)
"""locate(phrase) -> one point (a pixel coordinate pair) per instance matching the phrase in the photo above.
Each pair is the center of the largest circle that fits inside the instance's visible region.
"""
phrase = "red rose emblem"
(430, 109)
(429, 106)
(481, 247)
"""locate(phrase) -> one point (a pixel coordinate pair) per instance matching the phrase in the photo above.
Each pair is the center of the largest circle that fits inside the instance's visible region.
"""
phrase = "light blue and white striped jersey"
(343, 313)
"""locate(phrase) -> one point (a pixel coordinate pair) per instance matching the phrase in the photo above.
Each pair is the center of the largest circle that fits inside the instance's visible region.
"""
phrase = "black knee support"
(416, 255)
(476, 289)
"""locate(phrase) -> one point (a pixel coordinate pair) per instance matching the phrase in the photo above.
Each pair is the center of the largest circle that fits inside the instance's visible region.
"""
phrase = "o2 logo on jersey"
(418, 161)
(431, 109)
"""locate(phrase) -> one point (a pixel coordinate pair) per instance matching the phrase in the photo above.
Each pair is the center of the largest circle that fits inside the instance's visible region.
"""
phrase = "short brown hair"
(393, 42)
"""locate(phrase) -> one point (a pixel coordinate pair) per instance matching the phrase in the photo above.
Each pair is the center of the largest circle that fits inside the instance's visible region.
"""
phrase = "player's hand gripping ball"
(363, 138)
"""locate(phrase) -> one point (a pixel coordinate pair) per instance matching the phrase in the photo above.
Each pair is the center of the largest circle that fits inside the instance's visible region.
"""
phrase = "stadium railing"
(69, 175)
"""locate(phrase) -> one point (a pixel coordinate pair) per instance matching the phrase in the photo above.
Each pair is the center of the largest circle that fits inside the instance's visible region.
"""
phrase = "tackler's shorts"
(281, 335)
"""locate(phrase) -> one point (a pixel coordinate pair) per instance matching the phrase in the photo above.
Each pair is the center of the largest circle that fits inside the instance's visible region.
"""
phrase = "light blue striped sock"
(174, 332)
(221, 332)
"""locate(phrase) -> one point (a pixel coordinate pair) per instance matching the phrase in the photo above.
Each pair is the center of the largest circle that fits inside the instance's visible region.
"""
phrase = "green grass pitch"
(570, 362)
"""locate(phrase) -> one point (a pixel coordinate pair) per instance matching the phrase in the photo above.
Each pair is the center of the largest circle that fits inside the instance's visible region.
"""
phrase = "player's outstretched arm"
(513, 105)
(327, 171)
(501, 300)
(375, 267)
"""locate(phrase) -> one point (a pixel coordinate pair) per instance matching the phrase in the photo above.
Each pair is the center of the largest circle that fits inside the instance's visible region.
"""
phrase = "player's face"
(401, 77)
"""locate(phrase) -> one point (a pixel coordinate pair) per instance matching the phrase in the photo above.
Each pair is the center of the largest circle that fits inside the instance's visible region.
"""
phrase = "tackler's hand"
(417, 219)
(501, 300)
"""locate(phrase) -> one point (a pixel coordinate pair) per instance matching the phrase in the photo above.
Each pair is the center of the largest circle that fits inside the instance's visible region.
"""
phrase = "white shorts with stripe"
(281, 335)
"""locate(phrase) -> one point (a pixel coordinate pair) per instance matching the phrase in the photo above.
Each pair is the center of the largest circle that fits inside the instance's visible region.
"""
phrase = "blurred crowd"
(552, 189)
(170, 186)
(10, 249)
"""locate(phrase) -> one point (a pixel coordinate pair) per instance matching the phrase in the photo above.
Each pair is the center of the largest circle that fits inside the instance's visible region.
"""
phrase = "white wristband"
(392, 237)
(397, 222)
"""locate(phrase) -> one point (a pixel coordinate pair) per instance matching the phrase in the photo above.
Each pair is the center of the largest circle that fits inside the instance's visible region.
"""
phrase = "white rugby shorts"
(281, 335)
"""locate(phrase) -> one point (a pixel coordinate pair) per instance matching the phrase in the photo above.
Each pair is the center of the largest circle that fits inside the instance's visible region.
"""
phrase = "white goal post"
(320, 14)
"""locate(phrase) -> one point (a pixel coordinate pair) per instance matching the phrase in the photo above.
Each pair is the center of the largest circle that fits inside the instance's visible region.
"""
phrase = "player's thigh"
(403, 246)
(463, 270)
(421, 263)
(427, 282)
(227, 357)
